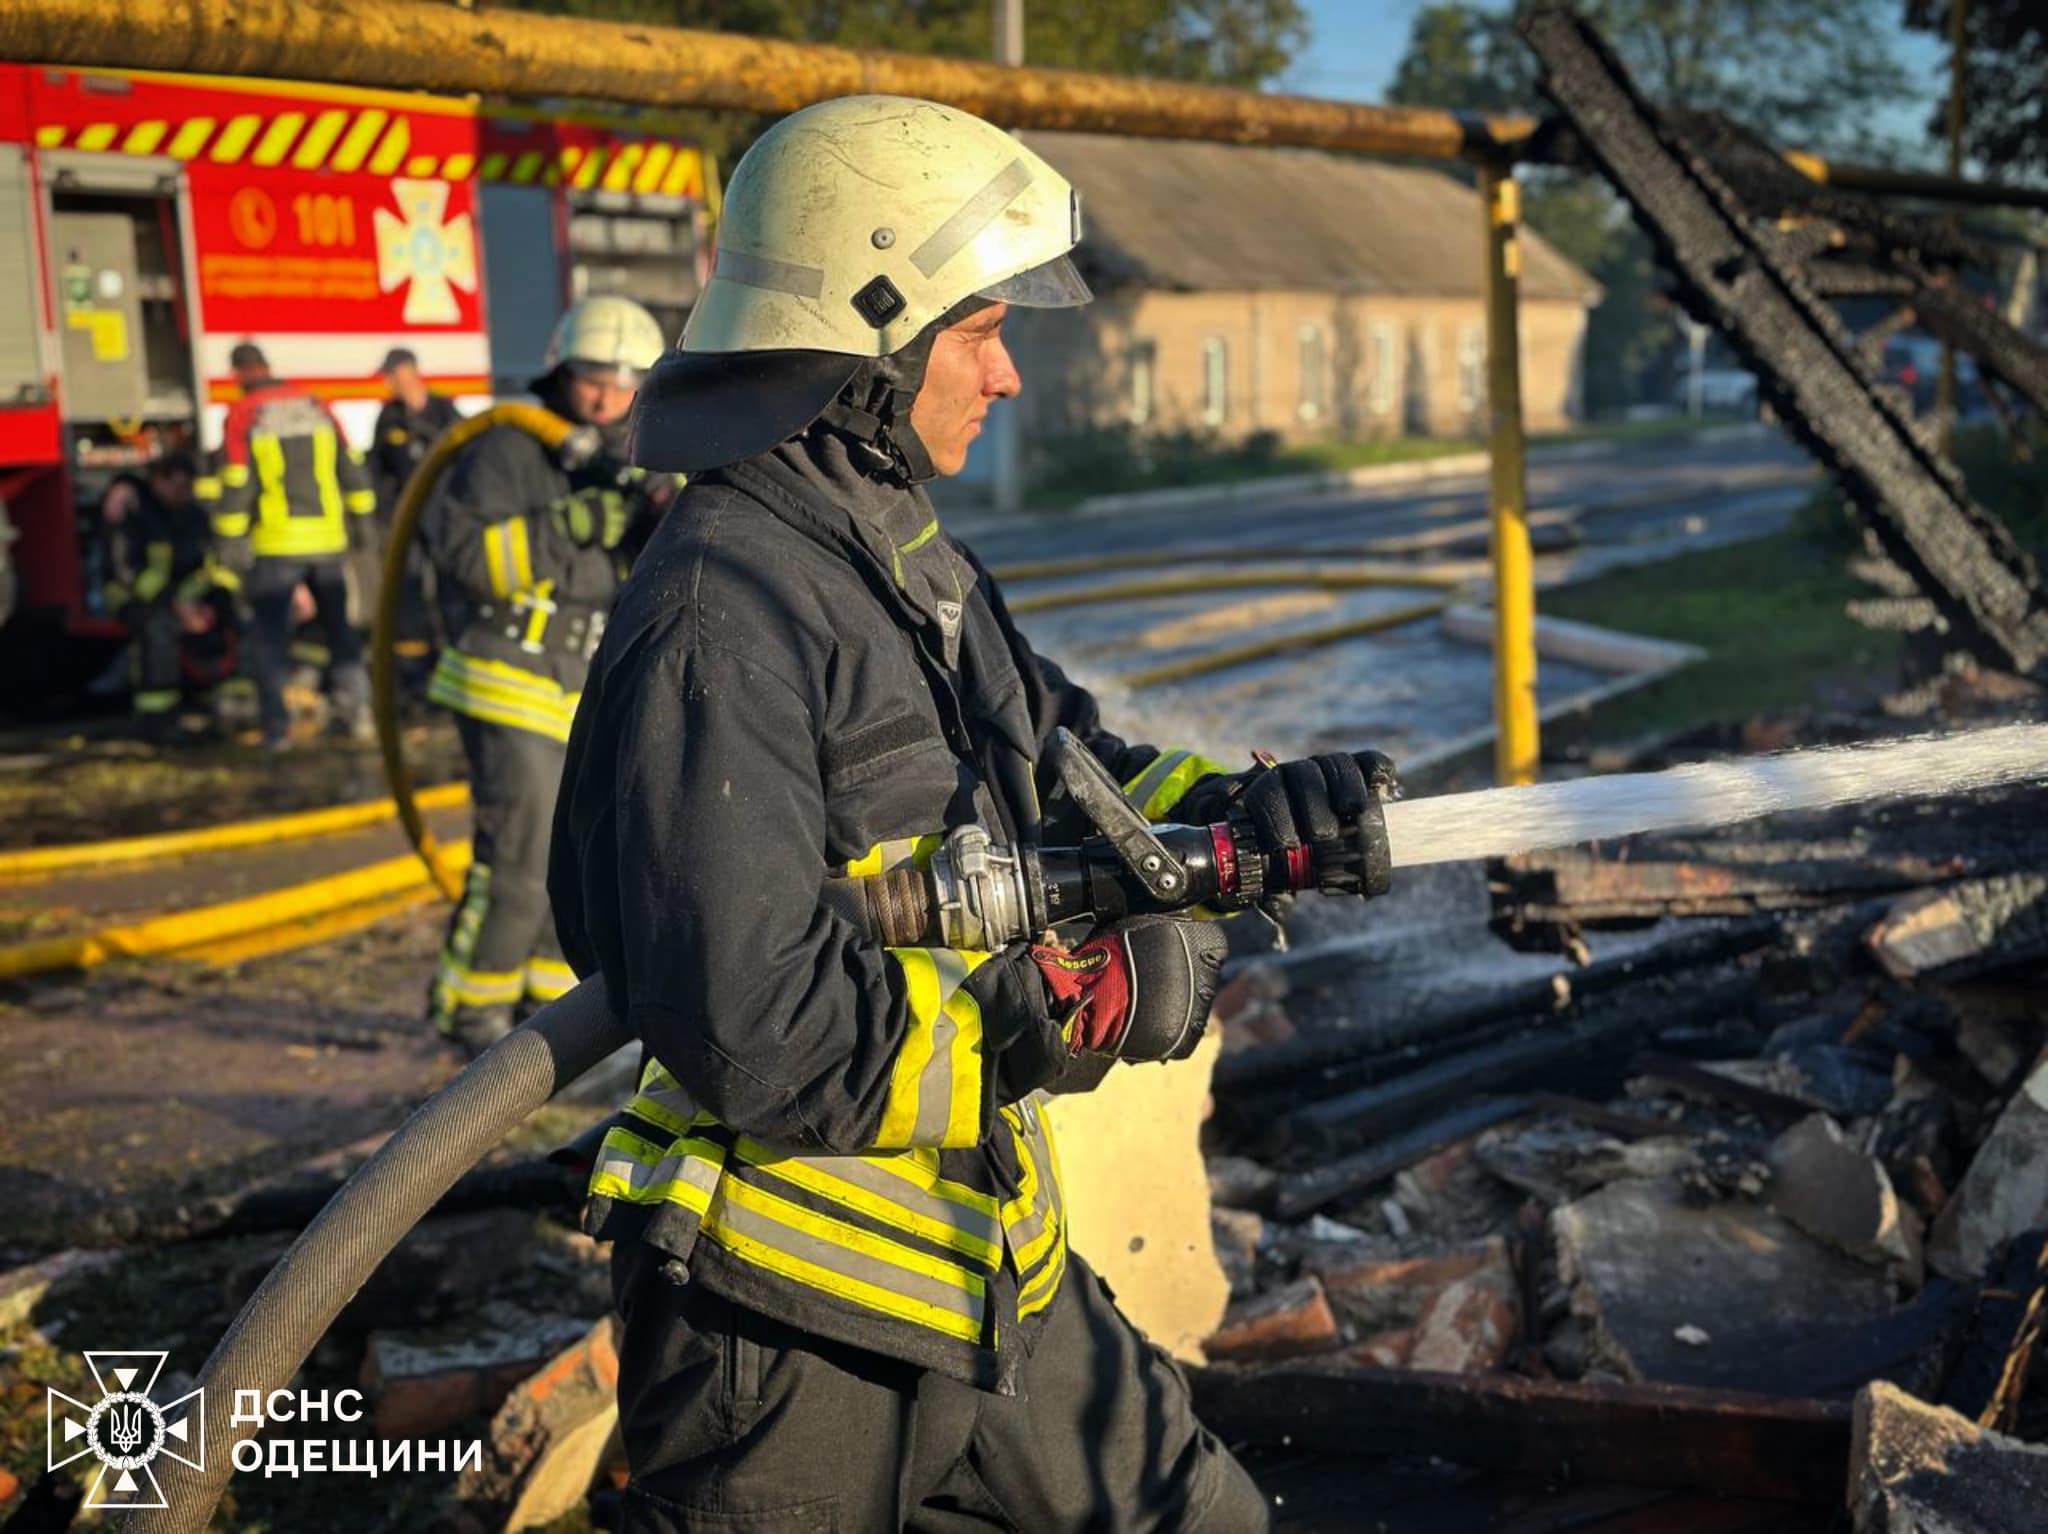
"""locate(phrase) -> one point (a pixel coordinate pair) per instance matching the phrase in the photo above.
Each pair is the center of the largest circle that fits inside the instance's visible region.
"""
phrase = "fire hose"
(971, 893)
(551, 431)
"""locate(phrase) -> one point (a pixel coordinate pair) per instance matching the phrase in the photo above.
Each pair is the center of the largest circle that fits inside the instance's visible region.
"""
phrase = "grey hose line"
(373, 1211)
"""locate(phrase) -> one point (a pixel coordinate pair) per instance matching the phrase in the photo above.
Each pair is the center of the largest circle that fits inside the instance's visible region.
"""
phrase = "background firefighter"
(288, 483)
(409, 423)
(841, 1248)
(532, 543)
(162, 583)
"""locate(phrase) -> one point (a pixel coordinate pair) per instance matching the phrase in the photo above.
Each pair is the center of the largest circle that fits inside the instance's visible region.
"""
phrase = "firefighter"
(412, 420)
(532, 541)
(288, 484)
(841, 1255)
(161, 583)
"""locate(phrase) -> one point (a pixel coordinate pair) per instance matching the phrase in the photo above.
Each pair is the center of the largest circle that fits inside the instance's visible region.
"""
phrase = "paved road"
(1410, 689)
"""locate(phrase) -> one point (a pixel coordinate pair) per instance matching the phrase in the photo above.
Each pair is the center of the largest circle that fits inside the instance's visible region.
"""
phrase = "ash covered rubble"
(1769, 1125)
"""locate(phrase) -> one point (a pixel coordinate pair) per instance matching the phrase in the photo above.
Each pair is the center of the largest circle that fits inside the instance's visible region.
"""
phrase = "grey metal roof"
(1223, 217)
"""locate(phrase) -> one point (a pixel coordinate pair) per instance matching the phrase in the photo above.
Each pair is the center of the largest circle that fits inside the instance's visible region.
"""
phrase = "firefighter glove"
(594, 518)
(1139, 992)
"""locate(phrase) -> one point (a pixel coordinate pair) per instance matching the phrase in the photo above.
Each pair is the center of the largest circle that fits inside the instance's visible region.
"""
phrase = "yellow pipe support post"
(1516, 750)
(537, 422)
(37, 862)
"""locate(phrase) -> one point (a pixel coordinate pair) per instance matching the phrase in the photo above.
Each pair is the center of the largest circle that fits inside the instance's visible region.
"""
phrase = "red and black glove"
(1141, 992)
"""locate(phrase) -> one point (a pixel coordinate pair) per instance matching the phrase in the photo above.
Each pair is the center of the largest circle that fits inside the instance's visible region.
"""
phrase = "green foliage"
(2005, 121)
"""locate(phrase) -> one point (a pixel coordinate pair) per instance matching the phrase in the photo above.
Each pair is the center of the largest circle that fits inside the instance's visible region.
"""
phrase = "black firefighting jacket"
(534, 599)
(828, 1131)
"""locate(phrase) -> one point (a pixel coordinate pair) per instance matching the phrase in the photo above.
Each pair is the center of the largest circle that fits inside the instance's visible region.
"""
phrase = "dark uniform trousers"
(734, 1422)
(504, 927)
(268, 587)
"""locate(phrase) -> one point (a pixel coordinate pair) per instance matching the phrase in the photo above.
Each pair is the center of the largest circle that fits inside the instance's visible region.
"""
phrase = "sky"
(1355, 44)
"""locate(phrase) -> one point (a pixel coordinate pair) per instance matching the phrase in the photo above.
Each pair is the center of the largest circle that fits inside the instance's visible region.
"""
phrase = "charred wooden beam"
(1965, 929)
(1650, 1435)
(1301, 1194)
(1591, 1052)
(1963, 559)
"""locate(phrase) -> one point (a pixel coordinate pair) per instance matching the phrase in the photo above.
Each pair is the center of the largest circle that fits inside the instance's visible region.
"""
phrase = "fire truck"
(150, 222)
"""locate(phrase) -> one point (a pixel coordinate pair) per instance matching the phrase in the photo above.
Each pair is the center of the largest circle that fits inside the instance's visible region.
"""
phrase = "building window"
(1144, 365)
(1383, 369)
(1215, 381)
(1471, 368)
(1315, 397)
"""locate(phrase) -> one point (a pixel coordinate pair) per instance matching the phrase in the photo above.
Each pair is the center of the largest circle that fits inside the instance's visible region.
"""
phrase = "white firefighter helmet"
(606, 333)
(848, 230)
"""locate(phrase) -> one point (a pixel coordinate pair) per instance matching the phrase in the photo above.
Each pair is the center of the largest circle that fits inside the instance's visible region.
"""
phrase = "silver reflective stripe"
(935, 1087)
(767, 272)
(962, 1300)
(866, 1175)
(1045, 1195)
(677, 1166)
(1146, 784)
(973, 216)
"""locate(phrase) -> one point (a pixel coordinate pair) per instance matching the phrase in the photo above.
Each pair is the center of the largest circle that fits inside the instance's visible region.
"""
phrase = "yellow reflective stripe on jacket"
(845, 1261)
(547, 979)
(959, 1218)
(266, 455)
(501, 694)
(207, 487)
(635, 1169)
(935, 1084)
(1035, 1221)
(1169, 775)
(507, 557)
(236, 475)
(898, 852)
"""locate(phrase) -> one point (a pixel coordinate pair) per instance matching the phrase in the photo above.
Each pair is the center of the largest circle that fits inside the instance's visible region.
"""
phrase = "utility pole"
(1007, 439)
(1945, 385)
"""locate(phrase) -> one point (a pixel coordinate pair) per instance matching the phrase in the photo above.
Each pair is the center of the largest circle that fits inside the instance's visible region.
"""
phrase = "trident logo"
(125, 1430)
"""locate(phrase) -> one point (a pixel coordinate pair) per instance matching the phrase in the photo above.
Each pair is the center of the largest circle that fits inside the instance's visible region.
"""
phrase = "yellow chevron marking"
(277, 138)
(682, 174)
(587, 172)
(234, 138)
(144, 137)
(528, 166)
(312, 150)
(98, 136)
(493, 168)
(653, 167)
(356, 145)
(190, 138)
(391, 153)
(619, 176)
(458, 166)
(422, 165)
(50, 137)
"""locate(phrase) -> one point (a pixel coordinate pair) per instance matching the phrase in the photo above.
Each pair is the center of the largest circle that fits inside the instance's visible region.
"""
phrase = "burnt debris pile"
(1770, 1128)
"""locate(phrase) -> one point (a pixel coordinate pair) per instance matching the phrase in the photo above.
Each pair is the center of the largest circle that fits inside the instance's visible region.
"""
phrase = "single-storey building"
(1242, 290)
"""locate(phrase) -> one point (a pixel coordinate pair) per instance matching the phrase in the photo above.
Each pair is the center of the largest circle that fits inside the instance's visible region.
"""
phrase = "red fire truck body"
(150, 222)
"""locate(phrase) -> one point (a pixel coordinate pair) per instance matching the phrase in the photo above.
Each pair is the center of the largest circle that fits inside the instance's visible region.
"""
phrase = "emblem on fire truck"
(421, 245)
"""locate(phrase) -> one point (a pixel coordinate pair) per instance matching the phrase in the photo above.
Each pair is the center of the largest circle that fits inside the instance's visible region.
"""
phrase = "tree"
(1802, 72)
(2005, 115)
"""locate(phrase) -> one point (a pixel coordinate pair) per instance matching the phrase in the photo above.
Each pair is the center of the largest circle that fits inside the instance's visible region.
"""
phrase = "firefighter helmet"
(850, 230)
(605, 333)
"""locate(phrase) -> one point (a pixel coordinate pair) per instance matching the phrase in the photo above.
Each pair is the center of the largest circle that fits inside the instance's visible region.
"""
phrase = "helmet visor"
(1054, 285)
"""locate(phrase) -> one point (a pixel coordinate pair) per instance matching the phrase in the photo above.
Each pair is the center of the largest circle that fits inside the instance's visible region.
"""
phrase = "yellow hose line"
(1138, 559)
(32, 861)
(230, 919)
(1233, 580)
(537, 422)
(287, 936)
(1306, 639)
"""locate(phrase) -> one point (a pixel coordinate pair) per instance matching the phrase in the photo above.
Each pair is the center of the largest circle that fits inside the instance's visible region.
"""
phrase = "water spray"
(1494, 822)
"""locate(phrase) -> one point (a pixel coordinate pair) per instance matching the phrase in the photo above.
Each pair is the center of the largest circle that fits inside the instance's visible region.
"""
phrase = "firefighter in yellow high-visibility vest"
(532, 544)
(287, 485)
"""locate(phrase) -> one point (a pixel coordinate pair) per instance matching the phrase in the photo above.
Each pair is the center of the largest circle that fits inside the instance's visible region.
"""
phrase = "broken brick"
(424, 1381)
(1468, 1326)
(547, 1443)
(1372, 1293)
(1287, 1322)
(1384, 1350)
